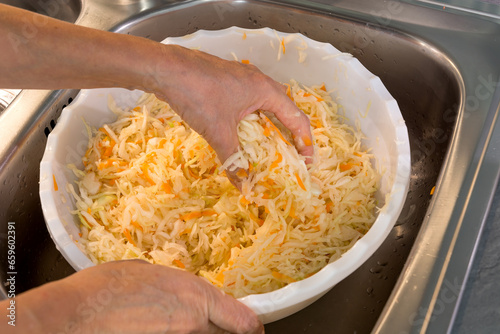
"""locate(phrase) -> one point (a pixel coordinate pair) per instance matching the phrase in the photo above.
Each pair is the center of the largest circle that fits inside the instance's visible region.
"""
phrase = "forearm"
(43, 53)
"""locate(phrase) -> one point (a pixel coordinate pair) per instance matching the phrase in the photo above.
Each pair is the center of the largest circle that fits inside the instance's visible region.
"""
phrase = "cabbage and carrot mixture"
(152, 188)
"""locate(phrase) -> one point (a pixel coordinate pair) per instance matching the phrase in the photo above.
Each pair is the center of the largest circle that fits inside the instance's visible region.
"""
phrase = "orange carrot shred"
(186, 231)
(129, 237)
(166, 187)
(241, 173)
(208, 212)
(299, 181)
(283, 277)
(292, 212)
(289, 91)
(191, 215)
(179, 264)
(244, 201)
(277, 161)
(145, 173)
(245, 61)
(56, 188)
(329, 205)
(136, 225)
(220, 277)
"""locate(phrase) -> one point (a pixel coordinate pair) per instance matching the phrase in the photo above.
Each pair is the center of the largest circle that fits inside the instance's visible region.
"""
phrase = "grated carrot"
(220, 277)
(244, 201)
(346, 166)
(267, 131)
(166, 187)
(191, 215)
(106, 164)
(255, 218)
(145, 174)
(208, 212)
(245, 61)
(56, 188)
(162, 143)
(282, 277)
(241, 173)
(299, 181)
(185, 231)
(289, 91)
(329, 206)
(179, 264)
(277, 161)
(136, 225)
(126, 232)
(292, 212)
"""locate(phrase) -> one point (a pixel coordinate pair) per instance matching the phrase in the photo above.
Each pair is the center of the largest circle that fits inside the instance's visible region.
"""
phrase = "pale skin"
(212, 95)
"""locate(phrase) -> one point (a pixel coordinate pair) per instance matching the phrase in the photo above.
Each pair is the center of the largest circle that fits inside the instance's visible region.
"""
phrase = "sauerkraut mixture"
(153, 189)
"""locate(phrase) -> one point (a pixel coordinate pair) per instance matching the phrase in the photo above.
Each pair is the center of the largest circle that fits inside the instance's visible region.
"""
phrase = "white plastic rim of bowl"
(361, 96)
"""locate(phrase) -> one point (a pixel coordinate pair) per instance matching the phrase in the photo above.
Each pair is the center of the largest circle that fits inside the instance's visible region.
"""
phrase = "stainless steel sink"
(67, 10)
(441, 68)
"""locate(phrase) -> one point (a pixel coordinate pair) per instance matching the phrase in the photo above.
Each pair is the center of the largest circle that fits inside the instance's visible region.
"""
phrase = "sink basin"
(67, 10)
(442, 89)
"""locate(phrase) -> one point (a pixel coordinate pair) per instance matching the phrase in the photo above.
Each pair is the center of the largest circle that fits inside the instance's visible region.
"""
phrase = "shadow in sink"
(67, 10)
(425, 83)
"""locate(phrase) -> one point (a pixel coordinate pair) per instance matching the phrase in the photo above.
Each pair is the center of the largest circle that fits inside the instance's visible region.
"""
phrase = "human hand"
(212, 95)
(133, 296)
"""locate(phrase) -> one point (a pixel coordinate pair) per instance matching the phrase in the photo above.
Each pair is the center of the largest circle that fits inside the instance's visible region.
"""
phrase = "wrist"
(51, 308)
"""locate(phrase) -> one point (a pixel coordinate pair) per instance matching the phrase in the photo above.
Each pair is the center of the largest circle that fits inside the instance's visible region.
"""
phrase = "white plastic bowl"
(361, 95)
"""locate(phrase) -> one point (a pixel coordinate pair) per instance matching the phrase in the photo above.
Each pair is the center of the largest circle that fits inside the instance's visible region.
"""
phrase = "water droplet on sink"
(369, 290)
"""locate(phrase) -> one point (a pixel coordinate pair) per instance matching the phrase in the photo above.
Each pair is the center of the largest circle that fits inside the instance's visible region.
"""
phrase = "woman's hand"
(212, 95)
(132, 296)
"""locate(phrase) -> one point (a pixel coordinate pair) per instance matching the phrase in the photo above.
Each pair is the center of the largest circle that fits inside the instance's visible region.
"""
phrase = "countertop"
(479, 310)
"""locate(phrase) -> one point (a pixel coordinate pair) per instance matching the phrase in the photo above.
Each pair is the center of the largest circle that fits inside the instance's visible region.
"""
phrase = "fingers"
(296, 122)
(230, 315)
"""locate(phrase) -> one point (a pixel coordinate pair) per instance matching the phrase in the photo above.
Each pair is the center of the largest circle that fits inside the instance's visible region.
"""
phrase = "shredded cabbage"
(153, 189)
